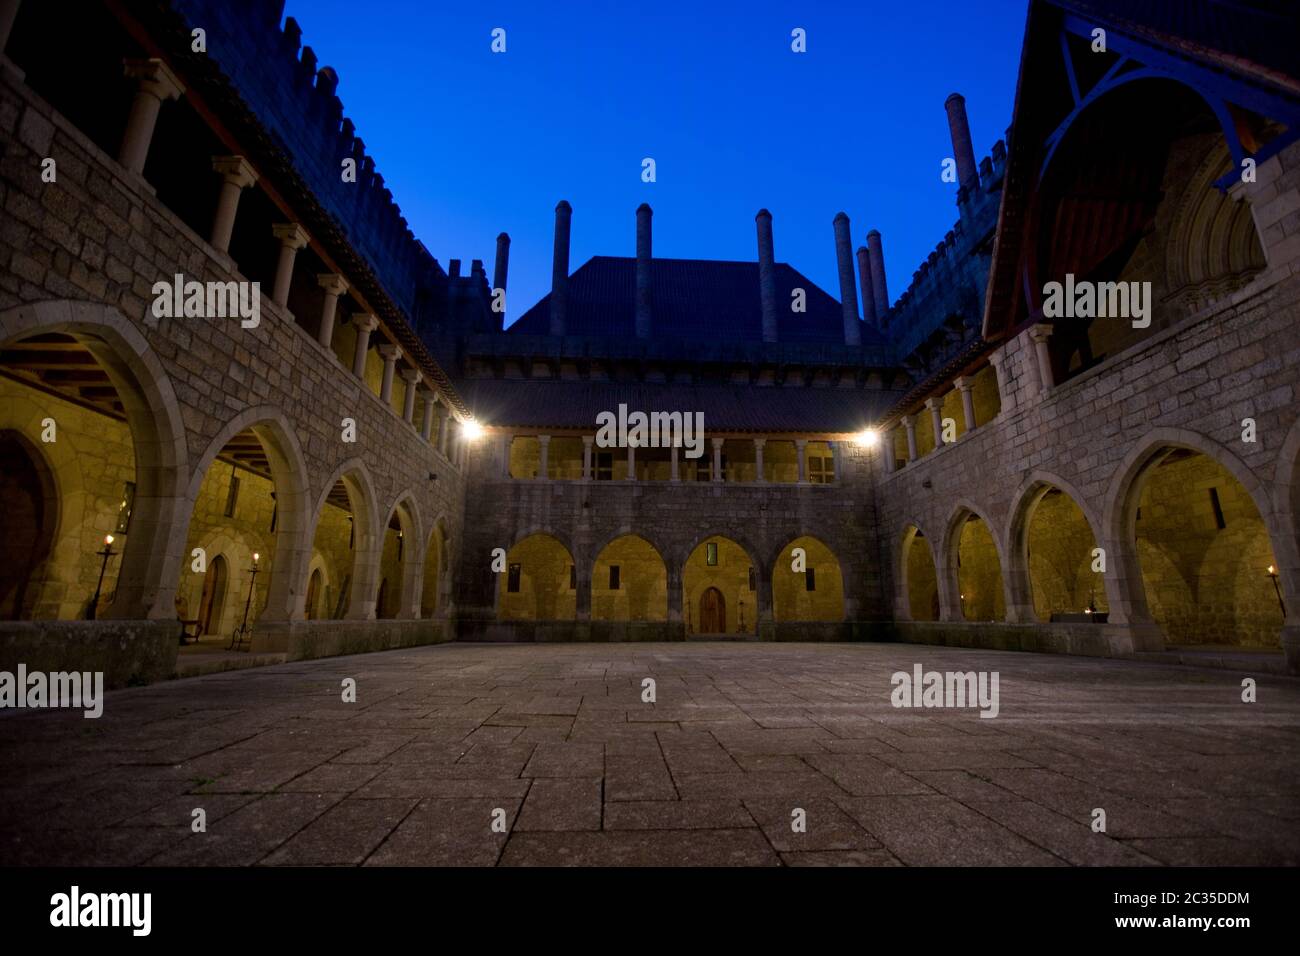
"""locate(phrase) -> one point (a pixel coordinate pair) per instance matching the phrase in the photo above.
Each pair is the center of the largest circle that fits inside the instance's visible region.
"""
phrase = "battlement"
(295, 100)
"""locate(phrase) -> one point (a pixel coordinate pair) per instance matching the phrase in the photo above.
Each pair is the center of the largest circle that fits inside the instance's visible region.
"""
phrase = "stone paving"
(557, 738)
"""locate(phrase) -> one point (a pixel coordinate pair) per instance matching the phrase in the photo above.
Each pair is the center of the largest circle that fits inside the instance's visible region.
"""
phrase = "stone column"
(292, 238)
(909, 422)
(674, 475)
(758, 459)
(411, 376)
(334, 285)
(503, 455)
(801, 453)
(936, 419)
(365, 323)
(631, 462)
(543, 457)
(390, 354)
(1038, 334)
(836, 465)
(848, 291)
(442, 429)
(426, 426)
(964, 386)
(717, 459)
(587, 441)
(998, 360)
(156, 83)
(236, 175)
(887, 452)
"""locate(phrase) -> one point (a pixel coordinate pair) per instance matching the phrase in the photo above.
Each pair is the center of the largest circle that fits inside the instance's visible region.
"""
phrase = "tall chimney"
(766, 274)
(868, 297)
(502, 265)
(560, 268)
(643, 215)
(959, 129)
(877, 254)
(848, 294)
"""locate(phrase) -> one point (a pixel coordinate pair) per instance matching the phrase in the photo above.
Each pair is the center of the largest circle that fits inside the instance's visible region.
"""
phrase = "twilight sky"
(473, 143)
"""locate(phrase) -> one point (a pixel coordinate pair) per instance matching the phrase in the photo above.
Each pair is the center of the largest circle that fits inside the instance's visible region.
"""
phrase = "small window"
(821, 470)
(512, 579)
(232, 496)
(711, 554)
(605, 466)
(275, 512)
(573, 578)
(613, 577)
(125, 508)
(1218, 509)
(810, 580)
(752, 582)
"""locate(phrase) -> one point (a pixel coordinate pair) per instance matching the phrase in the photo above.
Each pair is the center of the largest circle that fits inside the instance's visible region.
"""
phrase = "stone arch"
(643, 589)
(790, 590)
(1030, 494)
(1125, 495)
(436, 573)
(286, 590)
(150, 563)
(367, 535)
(237, 548)
(544, 579)
(319, 565)
(730, 579)
(29, 523)
(992, 596)
(410, 578)
(916, 592)
(1286, 546)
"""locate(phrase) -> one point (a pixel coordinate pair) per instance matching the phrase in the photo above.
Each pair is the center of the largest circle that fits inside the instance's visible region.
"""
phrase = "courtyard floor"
(556, 742)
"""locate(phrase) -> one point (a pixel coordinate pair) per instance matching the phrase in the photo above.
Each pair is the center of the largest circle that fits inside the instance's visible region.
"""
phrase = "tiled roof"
(747, 408)
(691, 299)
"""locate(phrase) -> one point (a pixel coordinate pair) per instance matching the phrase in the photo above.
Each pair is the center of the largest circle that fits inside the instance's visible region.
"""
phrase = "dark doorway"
(214, 595)
(26, 523)
(713, 612)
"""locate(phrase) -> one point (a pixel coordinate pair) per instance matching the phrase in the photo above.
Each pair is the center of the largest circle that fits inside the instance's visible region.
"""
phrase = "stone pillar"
(411, 376)
(766, 274)
(587, 441)
(801, 453)
(426, 425)
(876, 252)
(675, 597)
(909, 422)
(390, 354)
(675, 475)
(292, 238)
(236, 175)
(998, 360)
(758, 459)
(643, 255)
(965, 385)
(1038, 334)
(959, 130)
(334, 286)
(503, 455)
(442, 429)
(837, 466)
(887, 452)
(560, 268)
(365, 323)
(848, 290)
(717, 459)
(543, 457)
(864, 278)
(936, 420)
(156, 83)
(631, 462)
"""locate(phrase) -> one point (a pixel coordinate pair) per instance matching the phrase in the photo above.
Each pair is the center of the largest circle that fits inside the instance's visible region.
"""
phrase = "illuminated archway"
(721, 564)
(540, 582)
(920, 583)
(629, 582)
(813, 594)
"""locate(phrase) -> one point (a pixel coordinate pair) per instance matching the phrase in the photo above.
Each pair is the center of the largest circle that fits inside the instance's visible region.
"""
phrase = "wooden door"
(214, 592)
(713, 612)
(313, 594)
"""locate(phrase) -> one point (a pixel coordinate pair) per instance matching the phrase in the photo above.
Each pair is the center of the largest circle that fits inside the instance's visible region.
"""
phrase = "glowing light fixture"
(867, 438)
(472, 430)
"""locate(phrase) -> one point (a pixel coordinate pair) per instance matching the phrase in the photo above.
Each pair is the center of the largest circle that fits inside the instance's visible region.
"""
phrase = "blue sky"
(473, 143)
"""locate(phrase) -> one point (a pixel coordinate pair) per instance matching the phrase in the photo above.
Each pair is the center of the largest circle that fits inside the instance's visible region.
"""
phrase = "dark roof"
(691, 299)
(561, 404)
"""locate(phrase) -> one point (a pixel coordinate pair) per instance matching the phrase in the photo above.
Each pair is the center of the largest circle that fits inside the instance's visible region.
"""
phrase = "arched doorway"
(723, 565)
(212, 599)
(399, 564)
(1060, 556)
(815, 593)
(315, 594)
(920, 582)
(434, 562)
(713, 612)
(629, 582)
(980, 595)
(344, 545)
(540, 582)
(27, 524)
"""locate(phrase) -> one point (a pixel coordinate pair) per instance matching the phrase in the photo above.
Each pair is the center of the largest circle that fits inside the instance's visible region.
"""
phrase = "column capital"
(801, 443)
(1039, 332)
(760, 442)
(365, 321)
(155, 77)
(411, 376)
(933, 403)
(430, 395)
(290, 234)
(235, 170)
(717, 442)
(963, 383)
(389, 352)
(544, 439)
(909, 421)
(588, 440)
(332, 283)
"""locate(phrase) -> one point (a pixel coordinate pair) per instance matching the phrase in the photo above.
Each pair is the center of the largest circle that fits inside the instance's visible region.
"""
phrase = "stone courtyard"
(741, 734)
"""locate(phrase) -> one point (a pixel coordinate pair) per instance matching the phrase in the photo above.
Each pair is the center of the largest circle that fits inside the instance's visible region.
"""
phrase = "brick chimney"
(560, 268)
(502, 265)
(848, 292)
(766, 274)
(959, 129)
(643, 216)
(876, 252)
(864, 276)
